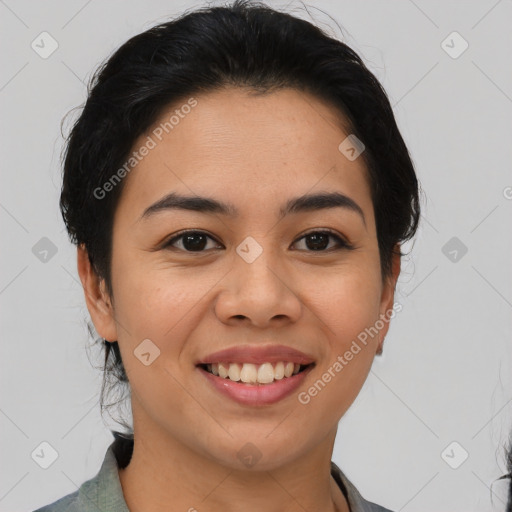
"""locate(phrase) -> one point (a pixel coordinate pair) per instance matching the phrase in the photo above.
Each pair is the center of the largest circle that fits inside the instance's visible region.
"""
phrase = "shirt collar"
(104, 491)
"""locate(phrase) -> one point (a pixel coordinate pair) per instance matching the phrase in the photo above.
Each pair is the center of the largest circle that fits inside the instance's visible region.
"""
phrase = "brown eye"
(315, 241)
(318, 241)
(191, 241)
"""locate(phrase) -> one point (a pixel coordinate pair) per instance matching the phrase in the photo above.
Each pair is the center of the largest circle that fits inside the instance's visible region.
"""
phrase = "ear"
(97, 298)
(388, 296)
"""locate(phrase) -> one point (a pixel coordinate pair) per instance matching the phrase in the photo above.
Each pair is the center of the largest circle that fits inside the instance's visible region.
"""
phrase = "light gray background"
(445, 372)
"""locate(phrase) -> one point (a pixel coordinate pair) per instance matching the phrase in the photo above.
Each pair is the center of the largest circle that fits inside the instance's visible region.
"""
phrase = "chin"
(257, 452)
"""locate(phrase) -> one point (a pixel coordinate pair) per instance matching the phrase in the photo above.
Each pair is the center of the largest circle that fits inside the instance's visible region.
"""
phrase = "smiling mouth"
(249, 373)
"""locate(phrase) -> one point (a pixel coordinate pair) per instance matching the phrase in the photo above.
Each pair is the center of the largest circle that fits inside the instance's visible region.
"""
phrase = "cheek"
(165, 311)
(151, 301)
(348, 303)
(350, 310)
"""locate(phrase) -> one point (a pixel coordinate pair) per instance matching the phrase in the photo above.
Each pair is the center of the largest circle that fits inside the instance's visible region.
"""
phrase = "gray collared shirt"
(103, 493)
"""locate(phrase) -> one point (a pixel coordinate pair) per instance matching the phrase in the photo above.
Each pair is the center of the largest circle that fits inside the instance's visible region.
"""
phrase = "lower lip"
(259, 394)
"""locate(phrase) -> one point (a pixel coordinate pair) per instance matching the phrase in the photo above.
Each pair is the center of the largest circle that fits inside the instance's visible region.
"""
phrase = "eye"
(191, 241)
(197, 241)
(318, 241)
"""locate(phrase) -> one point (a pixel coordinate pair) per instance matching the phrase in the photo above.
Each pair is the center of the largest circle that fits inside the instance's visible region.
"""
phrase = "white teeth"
(279, 371)
(288, 369)
(251, 373)
(265, 373)
(223, 370)
(234, 372)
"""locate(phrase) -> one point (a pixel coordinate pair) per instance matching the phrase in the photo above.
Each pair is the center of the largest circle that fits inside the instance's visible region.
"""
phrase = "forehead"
(248, 146)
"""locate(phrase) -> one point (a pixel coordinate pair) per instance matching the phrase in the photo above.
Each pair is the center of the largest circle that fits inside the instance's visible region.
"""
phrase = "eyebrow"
(305, 203)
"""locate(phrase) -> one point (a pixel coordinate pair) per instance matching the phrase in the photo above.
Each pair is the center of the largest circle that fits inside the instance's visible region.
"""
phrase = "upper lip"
(258, 355)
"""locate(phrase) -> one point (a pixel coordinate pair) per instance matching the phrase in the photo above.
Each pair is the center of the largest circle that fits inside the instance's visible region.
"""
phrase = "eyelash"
(343, 244)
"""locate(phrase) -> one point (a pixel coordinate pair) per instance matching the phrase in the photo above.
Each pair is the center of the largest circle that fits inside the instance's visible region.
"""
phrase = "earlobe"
(96, 297)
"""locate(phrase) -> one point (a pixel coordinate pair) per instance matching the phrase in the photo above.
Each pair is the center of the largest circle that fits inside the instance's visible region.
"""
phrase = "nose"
(260, 293)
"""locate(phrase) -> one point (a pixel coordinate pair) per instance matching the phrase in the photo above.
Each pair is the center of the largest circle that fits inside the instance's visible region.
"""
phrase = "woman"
(238, 191)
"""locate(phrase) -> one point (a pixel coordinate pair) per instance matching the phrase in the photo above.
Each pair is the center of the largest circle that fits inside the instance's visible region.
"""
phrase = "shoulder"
(356, 502)
(103, 492)
(65, 504)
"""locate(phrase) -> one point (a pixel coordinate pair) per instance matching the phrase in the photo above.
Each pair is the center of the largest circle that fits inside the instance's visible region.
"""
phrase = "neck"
(163, 471)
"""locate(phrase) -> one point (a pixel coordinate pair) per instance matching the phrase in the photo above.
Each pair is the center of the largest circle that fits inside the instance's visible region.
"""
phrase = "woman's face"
(248, 278)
